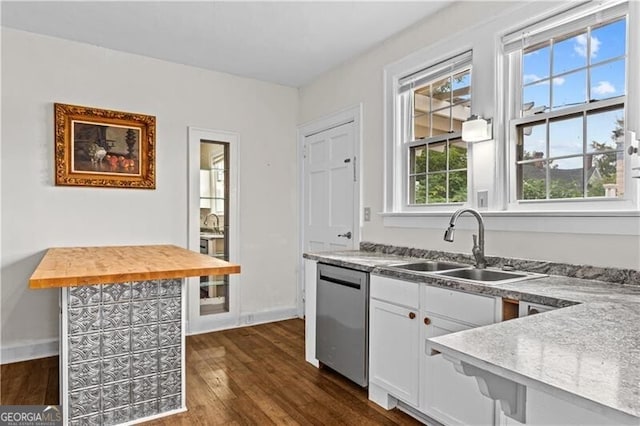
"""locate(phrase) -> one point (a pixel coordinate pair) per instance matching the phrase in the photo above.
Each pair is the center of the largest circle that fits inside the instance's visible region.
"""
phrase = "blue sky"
(569, 87)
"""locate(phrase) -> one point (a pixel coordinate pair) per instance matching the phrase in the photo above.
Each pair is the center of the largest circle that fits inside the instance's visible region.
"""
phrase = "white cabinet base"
(381, 397)
(310, 276)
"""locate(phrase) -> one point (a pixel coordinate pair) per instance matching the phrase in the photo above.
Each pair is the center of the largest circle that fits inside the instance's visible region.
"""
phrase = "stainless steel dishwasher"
(342, 322)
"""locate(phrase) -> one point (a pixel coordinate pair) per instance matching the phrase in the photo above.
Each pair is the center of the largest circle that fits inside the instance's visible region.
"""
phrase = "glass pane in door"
(214, 223)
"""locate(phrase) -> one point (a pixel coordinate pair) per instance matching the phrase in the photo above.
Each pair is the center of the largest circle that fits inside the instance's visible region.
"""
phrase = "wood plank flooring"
(246, 376)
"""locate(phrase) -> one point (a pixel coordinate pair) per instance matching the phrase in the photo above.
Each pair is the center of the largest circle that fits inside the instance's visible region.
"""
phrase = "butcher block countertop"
(74, 266)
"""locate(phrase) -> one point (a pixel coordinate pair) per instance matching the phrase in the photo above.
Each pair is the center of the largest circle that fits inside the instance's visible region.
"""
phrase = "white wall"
(38, 71)
(361, 80)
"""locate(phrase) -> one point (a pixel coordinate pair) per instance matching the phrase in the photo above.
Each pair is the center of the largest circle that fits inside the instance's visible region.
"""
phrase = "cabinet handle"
(412, 315)
(427, 321)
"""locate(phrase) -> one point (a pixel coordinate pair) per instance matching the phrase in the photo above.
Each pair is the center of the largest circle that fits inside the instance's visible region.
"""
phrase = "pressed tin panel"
(124, 351)
(145, 363)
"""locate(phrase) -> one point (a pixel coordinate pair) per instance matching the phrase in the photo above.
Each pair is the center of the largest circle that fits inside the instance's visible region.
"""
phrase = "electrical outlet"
(367, 214)
(483, 199)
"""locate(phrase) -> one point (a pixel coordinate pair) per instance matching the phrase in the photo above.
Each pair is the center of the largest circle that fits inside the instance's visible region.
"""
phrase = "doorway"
(213, 301)
(330, 174)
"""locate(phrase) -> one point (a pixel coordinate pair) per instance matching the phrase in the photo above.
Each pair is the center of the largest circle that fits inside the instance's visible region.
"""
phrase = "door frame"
(195, 323)
(353, 115)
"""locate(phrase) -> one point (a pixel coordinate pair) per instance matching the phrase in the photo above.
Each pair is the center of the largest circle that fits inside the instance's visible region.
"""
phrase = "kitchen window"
(434, 102)
(568, 107)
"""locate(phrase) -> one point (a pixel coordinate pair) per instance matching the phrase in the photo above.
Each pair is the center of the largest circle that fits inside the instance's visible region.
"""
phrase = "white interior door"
(330, 180)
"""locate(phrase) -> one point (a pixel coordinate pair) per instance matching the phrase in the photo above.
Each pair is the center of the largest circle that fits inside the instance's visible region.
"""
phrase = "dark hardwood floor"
(253, 375)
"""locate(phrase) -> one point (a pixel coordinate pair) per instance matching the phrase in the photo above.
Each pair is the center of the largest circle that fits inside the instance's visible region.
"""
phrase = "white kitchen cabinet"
(400, 368)
(394, 338)
(446, 395)
(393, 345)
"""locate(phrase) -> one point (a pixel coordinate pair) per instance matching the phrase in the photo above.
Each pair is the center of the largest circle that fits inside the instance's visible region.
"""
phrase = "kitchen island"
(122, 323)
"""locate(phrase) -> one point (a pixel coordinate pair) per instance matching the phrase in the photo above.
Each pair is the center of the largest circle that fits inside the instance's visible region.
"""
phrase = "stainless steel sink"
(487, 275)
(429, 266)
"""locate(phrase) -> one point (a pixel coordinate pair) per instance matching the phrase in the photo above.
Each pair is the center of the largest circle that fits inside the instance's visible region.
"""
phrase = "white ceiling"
(288, 43)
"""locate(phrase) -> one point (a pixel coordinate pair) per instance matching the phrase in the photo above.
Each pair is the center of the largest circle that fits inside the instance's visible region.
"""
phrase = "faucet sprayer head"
(448, 234)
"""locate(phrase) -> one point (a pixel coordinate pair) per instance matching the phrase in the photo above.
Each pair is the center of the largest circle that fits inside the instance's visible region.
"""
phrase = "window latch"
(632, 149)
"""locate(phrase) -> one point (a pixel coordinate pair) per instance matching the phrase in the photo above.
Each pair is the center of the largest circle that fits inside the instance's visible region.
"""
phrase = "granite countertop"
(588, 353)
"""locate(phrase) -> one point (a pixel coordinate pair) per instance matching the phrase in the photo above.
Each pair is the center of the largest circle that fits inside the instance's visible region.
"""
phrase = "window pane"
(565, 137)
(535, 98)
(570, 53)
(533, 178)
(607, 81)
(608, 41)
(605, 175)
(441, 121)
(569, 89)
(457, 154)
(462, 87)
(459, 114)
(418, 189)
(458, 186)
(421, 127)
(417, 159)
(605, 130)
(535, 64)
(437, 188)
(438, 108)
(437, 156)
(566, 178)
(534, 142)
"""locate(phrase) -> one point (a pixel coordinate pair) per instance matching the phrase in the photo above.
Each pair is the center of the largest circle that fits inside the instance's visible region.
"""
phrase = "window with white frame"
(433, 102)
(569, 101)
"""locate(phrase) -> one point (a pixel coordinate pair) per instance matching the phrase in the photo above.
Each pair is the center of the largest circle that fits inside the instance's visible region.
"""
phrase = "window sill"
(618, 222)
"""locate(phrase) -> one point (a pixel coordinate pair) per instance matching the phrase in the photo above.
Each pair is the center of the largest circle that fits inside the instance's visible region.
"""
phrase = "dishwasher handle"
(339, 281)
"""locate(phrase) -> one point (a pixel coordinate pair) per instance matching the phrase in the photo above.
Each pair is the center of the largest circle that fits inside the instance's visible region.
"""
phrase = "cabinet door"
(448, 396)
(394, 338)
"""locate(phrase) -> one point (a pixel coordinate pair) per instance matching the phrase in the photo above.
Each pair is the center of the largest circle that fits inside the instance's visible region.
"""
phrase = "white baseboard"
(29, 350)
(252, 318)
(249, 319)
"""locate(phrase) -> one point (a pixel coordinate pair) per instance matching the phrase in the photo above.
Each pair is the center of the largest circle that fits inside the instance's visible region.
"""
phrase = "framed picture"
(99, 147)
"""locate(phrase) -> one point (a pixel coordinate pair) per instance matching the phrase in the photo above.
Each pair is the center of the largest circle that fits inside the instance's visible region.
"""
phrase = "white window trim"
(512, 70)
(623, 223)
(557, 217)
(396, 154)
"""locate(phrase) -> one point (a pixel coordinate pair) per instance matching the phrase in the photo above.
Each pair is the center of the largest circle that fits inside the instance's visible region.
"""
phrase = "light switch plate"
(367, 214)
(483, 200)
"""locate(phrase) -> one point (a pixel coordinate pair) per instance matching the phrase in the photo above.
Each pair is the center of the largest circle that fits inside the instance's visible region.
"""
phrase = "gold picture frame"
(104, 148)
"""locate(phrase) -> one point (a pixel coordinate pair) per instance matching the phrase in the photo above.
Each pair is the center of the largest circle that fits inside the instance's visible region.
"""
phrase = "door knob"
(412, 315)
(347, 235)
(427, 320)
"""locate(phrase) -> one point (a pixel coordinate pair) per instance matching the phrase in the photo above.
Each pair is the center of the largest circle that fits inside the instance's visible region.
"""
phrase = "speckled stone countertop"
(588, 353)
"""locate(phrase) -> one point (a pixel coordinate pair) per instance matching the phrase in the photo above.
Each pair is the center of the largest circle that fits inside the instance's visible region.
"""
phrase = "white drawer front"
(399, 292)
(460, 306)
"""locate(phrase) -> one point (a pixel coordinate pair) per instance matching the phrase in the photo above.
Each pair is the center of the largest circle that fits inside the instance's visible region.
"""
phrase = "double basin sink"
(465, 273)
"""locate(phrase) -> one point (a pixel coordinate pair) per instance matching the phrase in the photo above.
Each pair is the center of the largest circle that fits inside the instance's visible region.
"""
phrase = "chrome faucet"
(478, 246)
(216, 228)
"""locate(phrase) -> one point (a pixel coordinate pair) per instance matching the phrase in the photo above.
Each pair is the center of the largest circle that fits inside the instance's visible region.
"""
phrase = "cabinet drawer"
(460, 306)
(399, 292)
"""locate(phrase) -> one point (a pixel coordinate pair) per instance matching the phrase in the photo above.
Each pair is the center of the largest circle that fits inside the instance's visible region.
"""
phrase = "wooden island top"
(75, 266)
